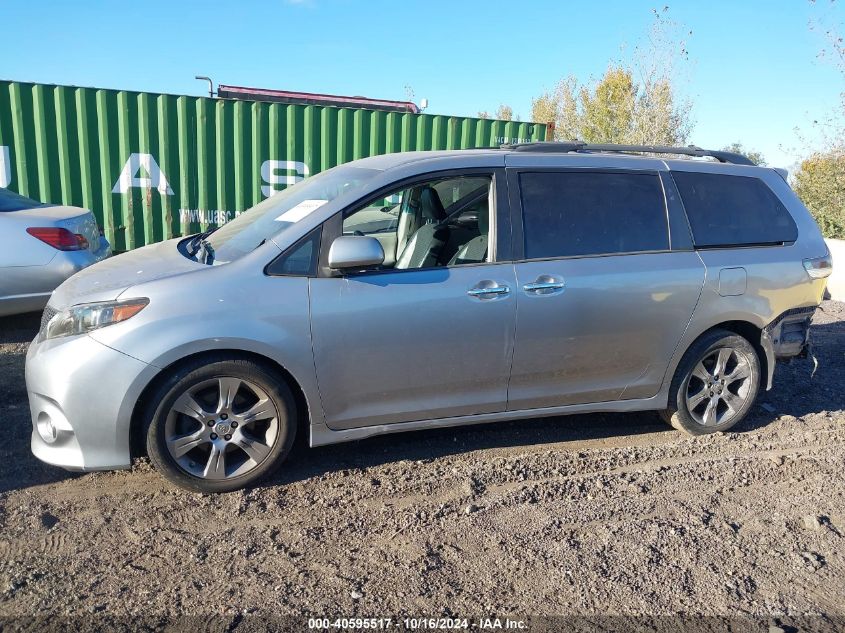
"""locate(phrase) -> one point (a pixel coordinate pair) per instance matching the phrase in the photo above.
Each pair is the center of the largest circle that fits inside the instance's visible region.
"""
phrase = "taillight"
(819, 267)
(59, 238)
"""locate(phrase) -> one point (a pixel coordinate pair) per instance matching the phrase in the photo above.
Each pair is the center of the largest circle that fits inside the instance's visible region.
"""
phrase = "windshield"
(282, 210)
(11, 201)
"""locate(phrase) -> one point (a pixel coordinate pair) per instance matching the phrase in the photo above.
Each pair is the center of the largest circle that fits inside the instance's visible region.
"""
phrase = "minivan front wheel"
(220, 425)
(715, 384)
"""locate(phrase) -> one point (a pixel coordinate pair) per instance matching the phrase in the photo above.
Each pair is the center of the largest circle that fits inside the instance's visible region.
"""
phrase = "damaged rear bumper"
(786, 337)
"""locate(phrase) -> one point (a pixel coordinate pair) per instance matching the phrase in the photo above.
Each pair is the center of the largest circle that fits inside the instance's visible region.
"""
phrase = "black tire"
(686, 383)
(255, 378)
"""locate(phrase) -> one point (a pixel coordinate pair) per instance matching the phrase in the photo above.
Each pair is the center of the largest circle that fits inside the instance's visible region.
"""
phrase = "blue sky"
(753, 73)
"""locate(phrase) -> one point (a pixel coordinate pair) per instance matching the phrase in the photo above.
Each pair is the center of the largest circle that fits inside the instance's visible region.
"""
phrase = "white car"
(41, 245)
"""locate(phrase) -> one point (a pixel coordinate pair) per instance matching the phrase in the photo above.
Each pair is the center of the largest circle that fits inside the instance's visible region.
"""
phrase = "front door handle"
(483, 291)
(545, 285)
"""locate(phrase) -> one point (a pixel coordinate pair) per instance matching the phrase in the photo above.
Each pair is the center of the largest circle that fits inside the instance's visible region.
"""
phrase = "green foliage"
(544, 109)
(755, 156)
(607, 111)
(820, 183)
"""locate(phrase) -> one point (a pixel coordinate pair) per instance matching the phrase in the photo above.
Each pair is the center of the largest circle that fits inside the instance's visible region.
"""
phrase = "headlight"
(92, 316)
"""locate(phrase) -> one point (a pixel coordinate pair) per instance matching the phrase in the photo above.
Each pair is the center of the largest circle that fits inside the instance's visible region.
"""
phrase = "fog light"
(46, 429)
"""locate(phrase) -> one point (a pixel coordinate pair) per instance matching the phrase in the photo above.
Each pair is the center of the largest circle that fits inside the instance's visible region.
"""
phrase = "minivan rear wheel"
(715, 384)
(220, 424)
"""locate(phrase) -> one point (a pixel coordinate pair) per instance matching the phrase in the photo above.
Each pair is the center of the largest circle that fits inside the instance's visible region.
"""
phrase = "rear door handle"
(544, 285)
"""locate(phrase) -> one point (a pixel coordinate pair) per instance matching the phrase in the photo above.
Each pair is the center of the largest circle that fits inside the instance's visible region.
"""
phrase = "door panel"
(413, 344)
(607, 333)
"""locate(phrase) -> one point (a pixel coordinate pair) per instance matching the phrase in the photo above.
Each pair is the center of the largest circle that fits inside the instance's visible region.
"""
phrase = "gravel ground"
(597, 515)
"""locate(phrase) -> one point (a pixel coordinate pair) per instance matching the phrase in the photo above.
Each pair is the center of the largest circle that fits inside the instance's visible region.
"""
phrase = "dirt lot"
(613, 515)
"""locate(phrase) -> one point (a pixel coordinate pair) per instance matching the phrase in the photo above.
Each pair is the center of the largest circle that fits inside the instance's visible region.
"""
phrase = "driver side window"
(442, 222)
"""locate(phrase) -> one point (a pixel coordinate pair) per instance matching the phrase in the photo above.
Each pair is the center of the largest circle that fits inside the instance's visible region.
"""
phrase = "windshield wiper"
(197, 240)
(208, 250)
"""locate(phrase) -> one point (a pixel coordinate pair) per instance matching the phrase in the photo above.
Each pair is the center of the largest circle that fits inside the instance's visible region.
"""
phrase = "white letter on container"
(129, 176)
(269, 169)
(5, 167)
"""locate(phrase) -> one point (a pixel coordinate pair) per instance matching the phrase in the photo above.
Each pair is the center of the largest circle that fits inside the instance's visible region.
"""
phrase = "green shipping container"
(156, 166)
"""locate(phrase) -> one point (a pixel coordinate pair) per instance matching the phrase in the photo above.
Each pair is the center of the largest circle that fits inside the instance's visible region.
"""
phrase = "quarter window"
(300, 259)
(733, 211)
(568, 214)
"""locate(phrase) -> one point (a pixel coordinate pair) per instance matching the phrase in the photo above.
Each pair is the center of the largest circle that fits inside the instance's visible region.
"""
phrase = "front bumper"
(84, 393)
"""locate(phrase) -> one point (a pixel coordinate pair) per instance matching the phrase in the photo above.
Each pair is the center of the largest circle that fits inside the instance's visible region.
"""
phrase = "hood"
(108, 279)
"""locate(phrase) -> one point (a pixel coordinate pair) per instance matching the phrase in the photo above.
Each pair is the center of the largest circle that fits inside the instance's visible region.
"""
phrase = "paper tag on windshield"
(298, 212)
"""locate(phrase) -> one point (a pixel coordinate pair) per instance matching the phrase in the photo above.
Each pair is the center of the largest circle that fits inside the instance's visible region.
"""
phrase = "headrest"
(432, 208)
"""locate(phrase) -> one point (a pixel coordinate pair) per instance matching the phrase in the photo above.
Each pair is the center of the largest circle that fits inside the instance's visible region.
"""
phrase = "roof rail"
(579, 146)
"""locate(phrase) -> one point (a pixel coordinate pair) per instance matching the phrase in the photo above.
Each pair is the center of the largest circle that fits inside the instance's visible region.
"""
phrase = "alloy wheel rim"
(221, 428)
(719, 386)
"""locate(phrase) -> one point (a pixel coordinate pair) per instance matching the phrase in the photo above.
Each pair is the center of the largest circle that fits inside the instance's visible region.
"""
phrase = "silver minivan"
(432, 289)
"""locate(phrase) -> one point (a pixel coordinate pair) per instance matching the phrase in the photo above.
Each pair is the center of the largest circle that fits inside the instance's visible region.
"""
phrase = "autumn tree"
(635, 102)
(544, 109)
(830, 126)
(820, 183)
(505, 113)
(820, 178)
(738, 148)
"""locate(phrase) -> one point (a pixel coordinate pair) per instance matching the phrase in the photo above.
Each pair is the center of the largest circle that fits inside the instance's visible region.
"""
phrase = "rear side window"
(568, 214)
(733, 211)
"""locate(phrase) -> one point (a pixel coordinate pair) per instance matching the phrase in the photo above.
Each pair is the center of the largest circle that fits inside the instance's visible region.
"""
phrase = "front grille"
(48, 314)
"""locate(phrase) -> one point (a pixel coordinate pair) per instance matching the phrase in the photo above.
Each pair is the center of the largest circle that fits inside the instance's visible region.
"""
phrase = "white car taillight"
(59, 238)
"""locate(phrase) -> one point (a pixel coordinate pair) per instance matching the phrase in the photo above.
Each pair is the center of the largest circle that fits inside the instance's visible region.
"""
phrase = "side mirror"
(355, 251)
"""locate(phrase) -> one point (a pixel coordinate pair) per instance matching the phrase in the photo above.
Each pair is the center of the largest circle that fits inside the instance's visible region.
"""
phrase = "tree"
(830, 126)
(505, 113)
(820, 183)
(820, 179)
(634, 102)
(615, 109)
(544, 108)
(606, 112)
(737, 147)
